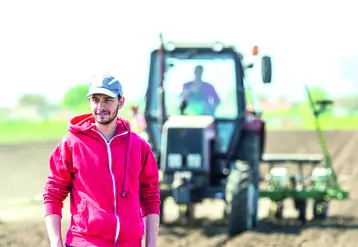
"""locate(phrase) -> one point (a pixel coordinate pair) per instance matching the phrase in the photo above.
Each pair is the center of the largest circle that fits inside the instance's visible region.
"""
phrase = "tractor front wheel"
(164, 194)
(161, 216)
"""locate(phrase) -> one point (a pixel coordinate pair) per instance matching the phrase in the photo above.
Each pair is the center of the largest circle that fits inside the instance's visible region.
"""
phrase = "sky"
(47, 47)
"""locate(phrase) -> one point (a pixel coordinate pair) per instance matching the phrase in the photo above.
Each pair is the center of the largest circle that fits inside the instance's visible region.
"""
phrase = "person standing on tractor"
(110, 173)
(199, 95)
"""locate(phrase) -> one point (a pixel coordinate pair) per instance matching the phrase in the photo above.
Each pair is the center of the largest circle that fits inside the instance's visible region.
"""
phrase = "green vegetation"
(20, 131)
(300, 117)
(25, 131)
(343, 115)
(306, 122)
(75, 99)
(13, 132)
(32, 100)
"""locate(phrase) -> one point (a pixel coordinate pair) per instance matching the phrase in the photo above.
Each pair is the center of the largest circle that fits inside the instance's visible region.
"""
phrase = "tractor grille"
(185, 148)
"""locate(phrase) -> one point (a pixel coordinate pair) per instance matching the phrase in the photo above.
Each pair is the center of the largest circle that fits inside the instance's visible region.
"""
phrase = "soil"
(24, 169)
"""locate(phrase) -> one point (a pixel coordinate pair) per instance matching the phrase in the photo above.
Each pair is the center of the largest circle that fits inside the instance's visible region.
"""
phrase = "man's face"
(105, 108)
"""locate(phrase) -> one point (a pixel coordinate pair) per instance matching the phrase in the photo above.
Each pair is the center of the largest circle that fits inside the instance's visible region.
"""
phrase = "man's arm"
(151, 222)
(53, 226)
(215, 96)
(57, 187)
(185, 92)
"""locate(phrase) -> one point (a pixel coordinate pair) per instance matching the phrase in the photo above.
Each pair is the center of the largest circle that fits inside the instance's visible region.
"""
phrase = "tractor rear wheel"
(241, 196)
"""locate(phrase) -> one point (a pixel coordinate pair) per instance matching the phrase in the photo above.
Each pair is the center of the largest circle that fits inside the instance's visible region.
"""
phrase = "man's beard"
(101, 121)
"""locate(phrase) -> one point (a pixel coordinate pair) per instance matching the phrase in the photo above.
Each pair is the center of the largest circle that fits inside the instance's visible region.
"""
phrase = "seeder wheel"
(320, 210)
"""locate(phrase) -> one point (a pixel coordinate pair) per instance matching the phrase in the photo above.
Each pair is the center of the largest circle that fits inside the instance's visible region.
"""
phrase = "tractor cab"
(198, 80)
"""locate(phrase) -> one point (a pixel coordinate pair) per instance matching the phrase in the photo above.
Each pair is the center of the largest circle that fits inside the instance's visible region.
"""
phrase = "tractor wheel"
(186, 213)
(161, 216)
(163, 196)
(250, 147)
(241, 196)
(320, 210)
(276, 210)
(301, 207)
(190, 211)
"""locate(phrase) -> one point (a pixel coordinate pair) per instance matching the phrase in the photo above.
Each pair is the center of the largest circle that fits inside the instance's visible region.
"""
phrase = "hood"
(86, 122)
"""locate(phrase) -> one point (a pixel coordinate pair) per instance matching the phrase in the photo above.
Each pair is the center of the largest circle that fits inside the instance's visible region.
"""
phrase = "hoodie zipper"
(108, 144)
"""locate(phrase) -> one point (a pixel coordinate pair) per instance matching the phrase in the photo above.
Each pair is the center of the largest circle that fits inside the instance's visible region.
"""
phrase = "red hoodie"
(113, 185)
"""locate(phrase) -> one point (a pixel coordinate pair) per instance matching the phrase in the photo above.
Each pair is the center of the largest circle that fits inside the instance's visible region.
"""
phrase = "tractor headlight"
(175, 161)
(218, 47)
(170, 46)
(194, 161)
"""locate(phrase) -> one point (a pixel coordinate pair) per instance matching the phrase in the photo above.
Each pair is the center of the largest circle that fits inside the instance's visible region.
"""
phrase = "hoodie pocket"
(94, 221)
(132, 225)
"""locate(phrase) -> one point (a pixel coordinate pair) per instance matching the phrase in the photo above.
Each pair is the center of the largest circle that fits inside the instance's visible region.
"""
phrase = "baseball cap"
(107, 85)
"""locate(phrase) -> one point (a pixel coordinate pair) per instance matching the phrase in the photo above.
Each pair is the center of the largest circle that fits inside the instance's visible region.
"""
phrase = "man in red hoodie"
(110, 173)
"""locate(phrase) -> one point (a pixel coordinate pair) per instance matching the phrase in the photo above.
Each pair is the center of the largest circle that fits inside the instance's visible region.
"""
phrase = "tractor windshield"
(204, 84)
(206, 87)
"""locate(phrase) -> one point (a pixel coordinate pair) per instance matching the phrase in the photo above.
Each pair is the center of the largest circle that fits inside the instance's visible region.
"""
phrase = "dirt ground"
(24, 170)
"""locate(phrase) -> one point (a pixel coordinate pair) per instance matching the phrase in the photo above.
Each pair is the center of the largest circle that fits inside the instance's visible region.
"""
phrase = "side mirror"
(266, 69)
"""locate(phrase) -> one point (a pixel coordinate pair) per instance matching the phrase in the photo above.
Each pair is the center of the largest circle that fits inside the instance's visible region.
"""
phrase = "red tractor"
(207, 140)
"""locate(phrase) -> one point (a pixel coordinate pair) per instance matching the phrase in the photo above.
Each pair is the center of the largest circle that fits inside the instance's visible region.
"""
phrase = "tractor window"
(217, 96)
(207, 86)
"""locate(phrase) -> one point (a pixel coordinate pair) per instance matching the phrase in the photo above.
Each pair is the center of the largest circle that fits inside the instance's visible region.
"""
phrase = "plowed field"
(24, 169)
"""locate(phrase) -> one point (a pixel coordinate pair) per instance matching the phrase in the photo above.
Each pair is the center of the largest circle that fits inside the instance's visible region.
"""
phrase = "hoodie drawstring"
(126, 165)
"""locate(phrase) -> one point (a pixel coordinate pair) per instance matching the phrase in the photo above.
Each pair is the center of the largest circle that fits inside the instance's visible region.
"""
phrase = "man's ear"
(121, 102)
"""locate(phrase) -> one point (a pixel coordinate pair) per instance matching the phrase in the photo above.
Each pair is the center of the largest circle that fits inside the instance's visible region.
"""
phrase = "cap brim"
(102, 91)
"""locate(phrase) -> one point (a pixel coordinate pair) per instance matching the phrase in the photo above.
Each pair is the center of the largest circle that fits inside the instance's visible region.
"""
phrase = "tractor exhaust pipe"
(160, 92)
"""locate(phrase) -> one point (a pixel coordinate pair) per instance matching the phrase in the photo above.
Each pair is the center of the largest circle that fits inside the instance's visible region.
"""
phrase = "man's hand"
(59, 244)
(151, 222)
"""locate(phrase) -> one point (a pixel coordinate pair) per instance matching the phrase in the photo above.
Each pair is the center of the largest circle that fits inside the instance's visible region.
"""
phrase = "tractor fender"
(252, 124)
